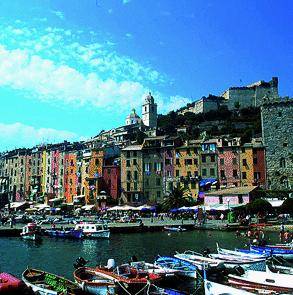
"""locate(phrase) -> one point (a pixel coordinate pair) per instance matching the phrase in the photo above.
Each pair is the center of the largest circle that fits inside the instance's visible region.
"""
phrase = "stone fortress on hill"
(115, 162)
(236, 97)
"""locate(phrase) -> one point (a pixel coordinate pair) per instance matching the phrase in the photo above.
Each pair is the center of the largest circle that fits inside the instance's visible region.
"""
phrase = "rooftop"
(242, 190)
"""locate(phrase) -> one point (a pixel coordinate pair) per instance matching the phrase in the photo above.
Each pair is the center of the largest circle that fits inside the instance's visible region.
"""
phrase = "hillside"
(245, 123)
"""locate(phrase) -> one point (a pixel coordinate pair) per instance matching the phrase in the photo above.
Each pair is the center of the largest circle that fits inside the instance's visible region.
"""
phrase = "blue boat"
(184, 268)
(286, 253)
(65, 234)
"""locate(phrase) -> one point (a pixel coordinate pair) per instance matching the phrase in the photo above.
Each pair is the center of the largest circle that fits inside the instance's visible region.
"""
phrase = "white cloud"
(125, 1)
(128, 35)
(18, 134)
(51, 82)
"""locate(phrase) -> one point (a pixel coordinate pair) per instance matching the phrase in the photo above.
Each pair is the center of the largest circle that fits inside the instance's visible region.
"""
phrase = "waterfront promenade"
(149, 225)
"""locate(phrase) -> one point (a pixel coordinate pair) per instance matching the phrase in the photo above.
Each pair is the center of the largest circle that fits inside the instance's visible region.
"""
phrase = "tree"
(176, 199)
(287, 206)
(259, 206)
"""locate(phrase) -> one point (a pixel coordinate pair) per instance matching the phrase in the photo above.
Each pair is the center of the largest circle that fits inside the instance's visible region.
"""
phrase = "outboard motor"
(111, 263)
(80, 262)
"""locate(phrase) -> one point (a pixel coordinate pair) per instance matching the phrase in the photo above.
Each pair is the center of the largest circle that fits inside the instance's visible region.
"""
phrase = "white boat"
(211, 288)
(198, 259)
(153, 268)
(245, 262)
(93, 230)
(251, 255)
(31, 231)
(174, 228)
(263, 282)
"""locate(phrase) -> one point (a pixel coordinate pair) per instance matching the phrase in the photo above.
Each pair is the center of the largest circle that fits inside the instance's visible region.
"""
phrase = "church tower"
(149, 112)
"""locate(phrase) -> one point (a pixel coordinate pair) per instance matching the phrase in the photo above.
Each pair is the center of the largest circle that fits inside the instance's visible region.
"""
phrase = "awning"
(275, 202)
(78, 197)
(56, 200)
(88, 207)
(41, 206)
(208, 181)
(121, 208)
(15, 205)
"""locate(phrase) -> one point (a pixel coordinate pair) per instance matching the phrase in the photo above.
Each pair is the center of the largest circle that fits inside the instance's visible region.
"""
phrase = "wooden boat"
(263, 282)
(94, 230)
(286, 253)
(9, 284)
(184, 268)
(65, 234)
(142, 266)
(31, 231)
(174, 228)
(45, 283)
(121, 280)
(198, 259)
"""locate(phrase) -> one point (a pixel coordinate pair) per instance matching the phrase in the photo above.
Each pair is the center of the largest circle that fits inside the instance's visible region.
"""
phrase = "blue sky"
(69, 69)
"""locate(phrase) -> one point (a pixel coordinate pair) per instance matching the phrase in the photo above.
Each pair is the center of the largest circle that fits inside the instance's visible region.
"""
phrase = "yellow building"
(186, 167)
(246, 165)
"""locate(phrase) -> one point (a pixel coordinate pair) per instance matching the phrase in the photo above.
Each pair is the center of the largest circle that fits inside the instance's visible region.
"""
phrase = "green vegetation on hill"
(245, 123)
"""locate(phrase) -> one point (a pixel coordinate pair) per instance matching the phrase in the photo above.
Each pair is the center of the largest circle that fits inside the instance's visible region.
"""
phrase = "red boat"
(120, 280)
(10, 284)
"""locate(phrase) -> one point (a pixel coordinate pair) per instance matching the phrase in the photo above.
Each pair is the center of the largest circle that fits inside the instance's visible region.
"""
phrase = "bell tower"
(149, 112)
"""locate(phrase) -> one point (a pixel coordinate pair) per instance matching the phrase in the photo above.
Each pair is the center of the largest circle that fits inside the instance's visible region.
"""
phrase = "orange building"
(70, 177)
(92, 172)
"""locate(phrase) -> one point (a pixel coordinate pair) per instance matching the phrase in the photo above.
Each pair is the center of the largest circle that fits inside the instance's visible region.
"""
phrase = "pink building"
(230, 196)
(229, 168)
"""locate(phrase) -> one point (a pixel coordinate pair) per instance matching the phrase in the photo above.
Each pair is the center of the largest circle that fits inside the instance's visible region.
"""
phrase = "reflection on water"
(58, 255)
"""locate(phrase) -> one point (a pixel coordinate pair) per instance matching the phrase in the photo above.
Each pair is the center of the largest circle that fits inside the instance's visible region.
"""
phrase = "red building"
(259, 165)
(111, 179)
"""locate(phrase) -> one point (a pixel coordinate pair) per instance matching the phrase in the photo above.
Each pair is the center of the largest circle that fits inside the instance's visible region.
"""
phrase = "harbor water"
(58, 255)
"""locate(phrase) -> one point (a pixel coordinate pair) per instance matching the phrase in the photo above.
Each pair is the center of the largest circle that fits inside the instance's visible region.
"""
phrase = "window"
(127, 163)
(188, 151)
(213, 158)
(221, 150)
(203, 158)
(134, 162)
(158, 166)
(212, 171)
(242, 150)
(188, 174)
(128, 186)
(158, 181)
(188, 161)
(256, 175)
(193, 185)
(243, 175)
(234, 161)
(87, 169)
(147, 167)
(235, 174)
(222, 173)
(127, 154)
(135, 186)
(222, 161)
(167, 162)
(177, 173)
(204, 172)
(195, 161)
(282, 163)
(128, 175)
(135, 176)
(147, 182)
(158, 194)
(255, 161)
(147, 195)
(134, 153)
(177, 162)
(97, 162)
(244, 162)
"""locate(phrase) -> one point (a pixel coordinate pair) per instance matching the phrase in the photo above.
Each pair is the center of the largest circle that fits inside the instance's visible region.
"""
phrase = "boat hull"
(103, 234)
(65, 234)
